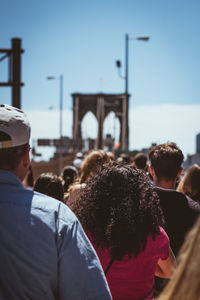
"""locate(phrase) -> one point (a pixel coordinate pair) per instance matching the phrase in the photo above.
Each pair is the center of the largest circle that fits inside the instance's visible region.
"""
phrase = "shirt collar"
(7, 177)
(163, 189)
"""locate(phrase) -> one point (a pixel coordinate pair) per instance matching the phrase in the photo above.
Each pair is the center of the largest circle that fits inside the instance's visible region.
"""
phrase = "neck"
(166, 184)
(18, 174)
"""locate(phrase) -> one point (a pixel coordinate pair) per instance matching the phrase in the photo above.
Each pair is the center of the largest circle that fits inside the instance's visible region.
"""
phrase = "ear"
(26, 159)
(152, 171)
(27, 155)
(24, 163)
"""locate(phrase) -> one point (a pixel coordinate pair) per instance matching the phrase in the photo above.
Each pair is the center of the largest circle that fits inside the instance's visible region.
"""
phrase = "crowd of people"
(105, 228)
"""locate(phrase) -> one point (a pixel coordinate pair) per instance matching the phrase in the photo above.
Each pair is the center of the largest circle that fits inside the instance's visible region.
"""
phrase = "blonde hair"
(190, 183)
(185, 283)
(90, 166)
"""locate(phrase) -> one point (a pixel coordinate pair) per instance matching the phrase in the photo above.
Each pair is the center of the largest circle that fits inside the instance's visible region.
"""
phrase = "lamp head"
(118, 63)
(50, 77)
(143, 38)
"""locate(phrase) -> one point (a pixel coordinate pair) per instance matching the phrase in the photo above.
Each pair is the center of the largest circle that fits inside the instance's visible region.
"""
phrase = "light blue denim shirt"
(44, 252)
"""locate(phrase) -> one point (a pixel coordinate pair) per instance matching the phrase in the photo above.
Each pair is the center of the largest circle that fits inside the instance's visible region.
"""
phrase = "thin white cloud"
(161, 123)
(45, 123)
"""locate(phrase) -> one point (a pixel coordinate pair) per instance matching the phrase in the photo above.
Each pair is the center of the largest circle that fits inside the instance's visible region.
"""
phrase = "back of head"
(92, 163)
(166, 159)
(51, 185)
(140, 160)
(69, 174)
(119, 208)
(14, 136)
(125, 158)
(190, 183)
(77, 162)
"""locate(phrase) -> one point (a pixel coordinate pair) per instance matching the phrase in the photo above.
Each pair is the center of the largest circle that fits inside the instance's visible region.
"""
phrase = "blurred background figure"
(29, 179)
(121, 215)
(77, 162)
(189, 185)
(51, 185)
(185, 283)
(124, 159)
(91, 164)
(140, 161)
(69, 174)
(112, 156)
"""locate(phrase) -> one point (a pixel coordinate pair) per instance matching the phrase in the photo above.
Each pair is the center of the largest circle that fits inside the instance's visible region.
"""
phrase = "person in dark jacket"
(180, 212)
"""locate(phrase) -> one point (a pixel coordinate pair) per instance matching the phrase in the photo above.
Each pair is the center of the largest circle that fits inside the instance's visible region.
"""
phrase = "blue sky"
(83, 39)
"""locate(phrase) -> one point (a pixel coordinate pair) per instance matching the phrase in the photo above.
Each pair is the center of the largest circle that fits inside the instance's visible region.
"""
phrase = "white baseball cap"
(14, 122)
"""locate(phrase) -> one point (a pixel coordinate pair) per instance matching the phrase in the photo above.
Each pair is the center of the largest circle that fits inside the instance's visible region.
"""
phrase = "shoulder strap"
(109, 265)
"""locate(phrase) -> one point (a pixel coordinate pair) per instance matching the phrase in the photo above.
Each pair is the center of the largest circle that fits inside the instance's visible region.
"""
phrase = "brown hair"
(190, 183)
(140, 160)
(51, 185)
(89, 167)
(91, 164)
(166, 159)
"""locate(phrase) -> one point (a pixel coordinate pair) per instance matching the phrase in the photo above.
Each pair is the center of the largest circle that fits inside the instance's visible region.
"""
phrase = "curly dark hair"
(120, 209)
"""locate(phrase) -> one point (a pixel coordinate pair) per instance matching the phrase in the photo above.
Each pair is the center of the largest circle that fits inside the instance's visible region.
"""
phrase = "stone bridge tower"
(100, 105)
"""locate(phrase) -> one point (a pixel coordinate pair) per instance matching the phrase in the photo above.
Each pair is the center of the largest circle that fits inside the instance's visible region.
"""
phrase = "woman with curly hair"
(121, 215)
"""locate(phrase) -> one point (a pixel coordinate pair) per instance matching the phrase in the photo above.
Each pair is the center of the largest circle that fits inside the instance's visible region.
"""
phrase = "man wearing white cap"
(44, 252)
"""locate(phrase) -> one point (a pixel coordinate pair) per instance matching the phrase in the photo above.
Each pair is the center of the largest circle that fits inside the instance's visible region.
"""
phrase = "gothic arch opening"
(111, 127)
(89, 126)
(100, 105)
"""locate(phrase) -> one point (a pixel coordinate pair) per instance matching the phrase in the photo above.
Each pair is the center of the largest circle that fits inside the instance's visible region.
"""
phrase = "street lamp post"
(61, 105)
(60, 116)
(126, 78)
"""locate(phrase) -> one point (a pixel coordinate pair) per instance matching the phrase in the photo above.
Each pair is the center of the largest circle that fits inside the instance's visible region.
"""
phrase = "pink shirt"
(134, 278)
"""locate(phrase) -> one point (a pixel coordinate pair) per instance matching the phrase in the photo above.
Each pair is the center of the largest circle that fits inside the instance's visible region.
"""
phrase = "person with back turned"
(44, 252)
(179, 211)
